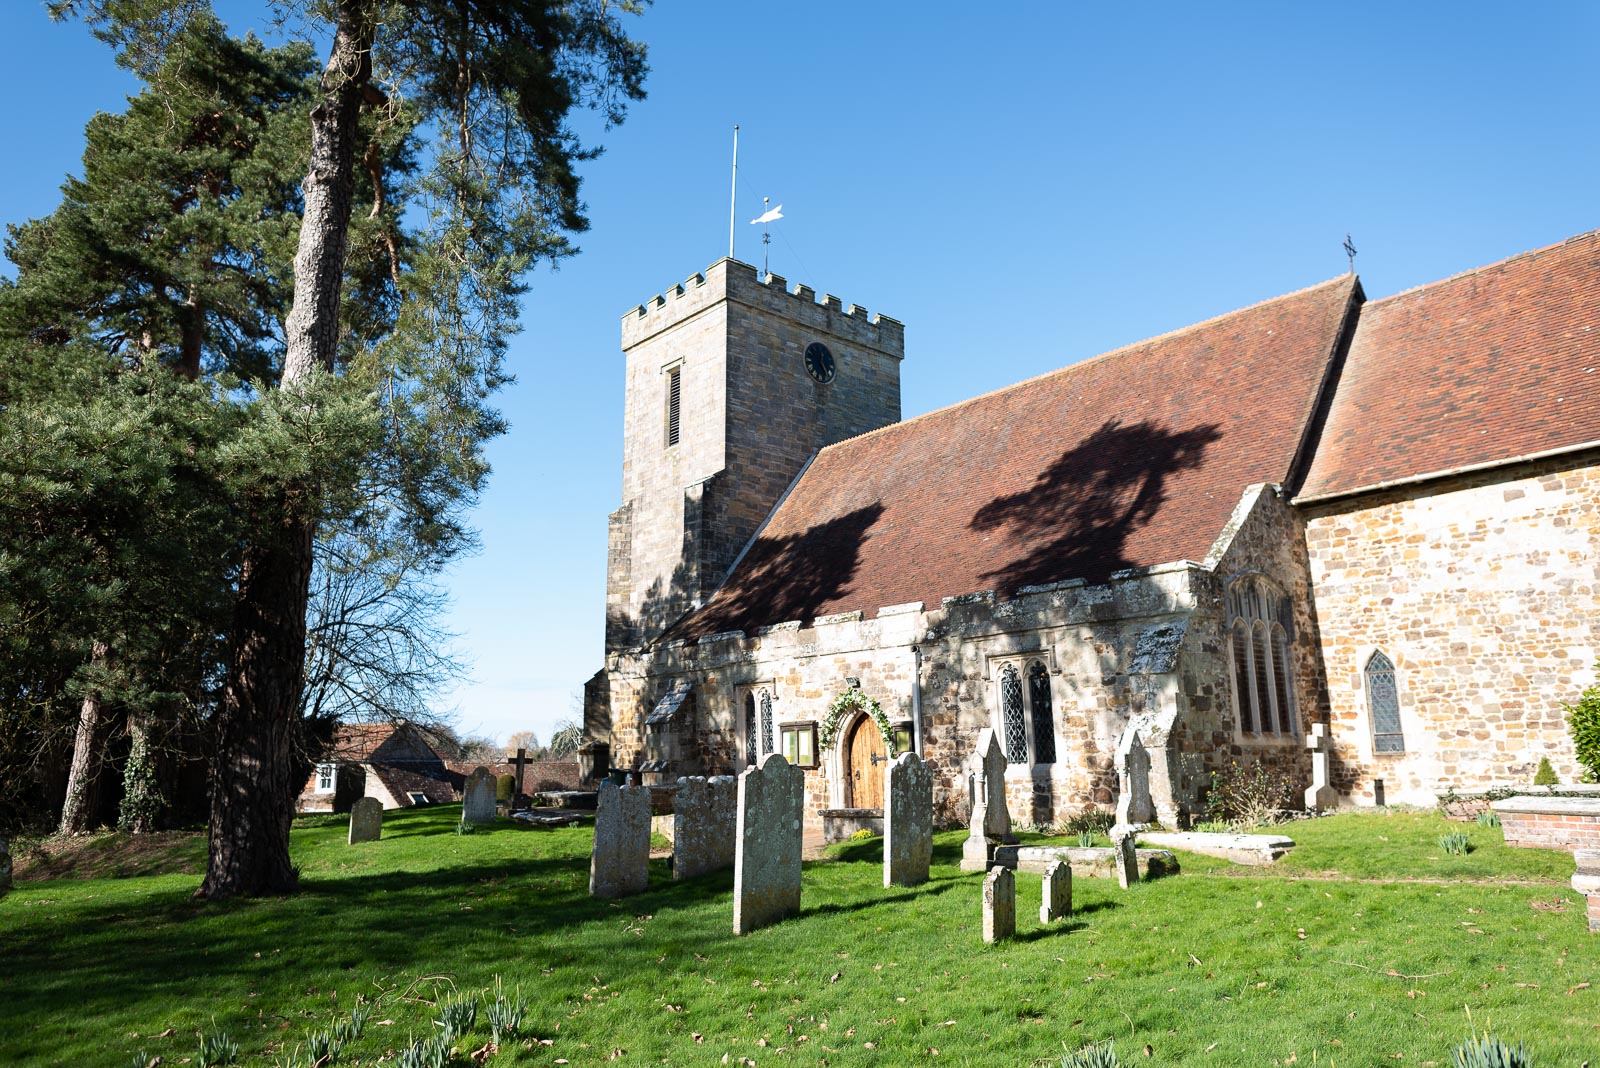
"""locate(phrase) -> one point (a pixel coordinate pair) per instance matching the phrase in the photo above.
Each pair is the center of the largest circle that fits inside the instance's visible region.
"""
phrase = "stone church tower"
(733, 382)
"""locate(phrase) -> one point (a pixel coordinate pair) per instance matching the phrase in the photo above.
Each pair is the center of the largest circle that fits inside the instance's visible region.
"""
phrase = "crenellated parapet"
(731, 280)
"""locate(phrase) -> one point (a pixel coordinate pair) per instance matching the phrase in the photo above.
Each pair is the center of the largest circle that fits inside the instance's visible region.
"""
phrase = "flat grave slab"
(1254, 850)
(1095, 862)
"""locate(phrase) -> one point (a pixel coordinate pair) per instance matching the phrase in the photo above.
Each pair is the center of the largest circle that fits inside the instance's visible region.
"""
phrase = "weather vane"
(771, 215)
(1350, 250)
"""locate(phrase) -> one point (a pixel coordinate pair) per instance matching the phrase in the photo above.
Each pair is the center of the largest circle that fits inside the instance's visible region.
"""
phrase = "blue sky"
(1021, 192)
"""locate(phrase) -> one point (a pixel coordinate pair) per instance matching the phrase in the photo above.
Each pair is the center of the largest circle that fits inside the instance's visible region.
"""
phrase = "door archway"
(864, 764)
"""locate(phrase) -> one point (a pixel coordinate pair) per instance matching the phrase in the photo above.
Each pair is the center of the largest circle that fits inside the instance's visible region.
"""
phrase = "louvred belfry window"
(1016, 728)
(674, 405)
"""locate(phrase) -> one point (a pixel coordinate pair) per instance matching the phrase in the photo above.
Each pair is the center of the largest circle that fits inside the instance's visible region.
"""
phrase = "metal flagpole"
(733, 195)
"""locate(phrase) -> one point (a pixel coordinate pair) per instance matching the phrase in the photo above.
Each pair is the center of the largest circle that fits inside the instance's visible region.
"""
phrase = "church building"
(1374, 515)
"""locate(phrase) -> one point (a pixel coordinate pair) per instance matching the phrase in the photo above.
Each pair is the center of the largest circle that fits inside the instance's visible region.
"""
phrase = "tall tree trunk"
(252, 787)
(77, 814)
(144, 800)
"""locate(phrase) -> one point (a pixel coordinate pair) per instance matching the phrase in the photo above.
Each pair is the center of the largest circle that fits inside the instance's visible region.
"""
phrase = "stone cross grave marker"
(1124, 856)
(907, 821)
(1320, 794)
(766, 867)
(366, 820)
(705, 825)
(991, 822)
(999, 905)
(1056, 900)
(620, 862)
(477, 797)
(1134, 806)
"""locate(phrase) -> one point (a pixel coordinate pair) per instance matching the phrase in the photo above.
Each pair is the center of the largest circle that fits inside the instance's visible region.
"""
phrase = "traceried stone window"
(751, 732)
(1261, 622)
(765, 702)
(758, 727)
(1026, 712)
(1383, 700)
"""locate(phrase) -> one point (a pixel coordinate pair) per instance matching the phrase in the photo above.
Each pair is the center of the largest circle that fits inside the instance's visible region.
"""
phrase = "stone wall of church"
(1484, 590)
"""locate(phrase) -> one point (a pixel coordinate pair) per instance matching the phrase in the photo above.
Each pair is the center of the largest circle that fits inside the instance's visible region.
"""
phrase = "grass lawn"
(1219, 965)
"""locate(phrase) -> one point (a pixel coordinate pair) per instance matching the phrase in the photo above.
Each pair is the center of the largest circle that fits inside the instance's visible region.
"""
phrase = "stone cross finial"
(1320, 794)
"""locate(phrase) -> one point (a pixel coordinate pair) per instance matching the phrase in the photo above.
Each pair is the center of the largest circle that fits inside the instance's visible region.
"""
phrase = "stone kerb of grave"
(366, 820)
(991, 821)
(1254, 850)
(477, 797)
(766, 867)
(1320, 795)
(1134, 805)
(1055, 899)
(705, 825)
(999, 905)
(907, 821)
(620, 862)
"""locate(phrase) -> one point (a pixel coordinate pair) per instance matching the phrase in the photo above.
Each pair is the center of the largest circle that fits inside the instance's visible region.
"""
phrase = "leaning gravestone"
(1134, 806)
(1124, 856)
(991, 822)
(5, 866)
(705, 824)
(1056, 901)
(366, 820)
(477, 798)
(766, 868)
(999, 905)
(907, 821)
(620, 862)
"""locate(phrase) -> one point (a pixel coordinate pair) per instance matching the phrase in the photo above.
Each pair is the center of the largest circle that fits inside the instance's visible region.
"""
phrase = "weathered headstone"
(991, 822)
(1056, 900)
(1134, 805)
(907, 821)
(1122, 853)
(1586, 881)
(1320, 794)
(999, 905)
(477, 797)
(366, 820)
(620, 862)
(766, 867)
(5, 865)
(705, 825)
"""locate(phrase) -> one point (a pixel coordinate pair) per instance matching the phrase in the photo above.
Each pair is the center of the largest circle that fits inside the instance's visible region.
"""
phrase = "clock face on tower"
(819, 362)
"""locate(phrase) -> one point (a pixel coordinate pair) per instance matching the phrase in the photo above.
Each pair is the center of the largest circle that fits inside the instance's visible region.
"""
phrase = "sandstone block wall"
(1484, 590)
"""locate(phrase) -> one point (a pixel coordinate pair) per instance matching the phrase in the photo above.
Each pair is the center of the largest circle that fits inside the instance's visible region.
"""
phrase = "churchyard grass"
(1215, 966)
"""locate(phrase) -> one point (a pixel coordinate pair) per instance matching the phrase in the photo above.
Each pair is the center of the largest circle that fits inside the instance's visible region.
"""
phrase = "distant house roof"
(1131, 459)
(403, 780)
(1486, 367)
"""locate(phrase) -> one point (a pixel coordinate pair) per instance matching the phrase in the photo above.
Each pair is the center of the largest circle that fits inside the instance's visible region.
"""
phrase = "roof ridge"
(1586, 235)
(1087, 360)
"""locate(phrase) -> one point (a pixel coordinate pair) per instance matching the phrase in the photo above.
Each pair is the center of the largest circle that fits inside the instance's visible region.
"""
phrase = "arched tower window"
(1383, 699)
(750, 729)
(1041, 714)
(1016, 727)
(1260, 632)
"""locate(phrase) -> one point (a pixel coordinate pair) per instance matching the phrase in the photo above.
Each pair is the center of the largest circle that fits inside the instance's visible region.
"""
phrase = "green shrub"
(1546, 775)
(1488, 818)
(1583, 721)
(1486, 1051)
(1456, 843)
(505, 788)
(1248, 797)
(1091, 821)
(861, 836)
(1098, 1055)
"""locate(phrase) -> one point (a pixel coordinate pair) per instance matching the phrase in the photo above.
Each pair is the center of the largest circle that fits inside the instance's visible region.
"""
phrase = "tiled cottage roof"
(1131, 459)
(1491, 365)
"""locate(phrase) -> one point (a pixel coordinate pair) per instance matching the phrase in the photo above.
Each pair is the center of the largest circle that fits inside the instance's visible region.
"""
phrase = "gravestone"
(999, 905)
(1320, 794)
(907, 821)
(705, 825)
(991, 822)
(1134, 805)
(1122, 853)
(5, 866)
(619, 865)
(1056, 900)
(366, 820)
(477, 797)
(766, 867)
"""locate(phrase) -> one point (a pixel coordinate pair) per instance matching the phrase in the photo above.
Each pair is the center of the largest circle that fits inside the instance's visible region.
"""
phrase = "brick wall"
(1550, 823)
(1484, 591)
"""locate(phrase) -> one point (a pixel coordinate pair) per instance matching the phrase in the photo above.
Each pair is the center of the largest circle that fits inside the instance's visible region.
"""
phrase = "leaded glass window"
(1241, 676)
(1044, 726)
(750, 729)
(766, 722)
(1016, 728)
(1383, 698)
(1261, 662)
(1283, 681)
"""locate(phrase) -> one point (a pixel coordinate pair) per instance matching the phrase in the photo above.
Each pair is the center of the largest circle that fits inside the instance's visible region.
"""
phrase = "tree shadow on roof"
(789, 577)
(1076, 518)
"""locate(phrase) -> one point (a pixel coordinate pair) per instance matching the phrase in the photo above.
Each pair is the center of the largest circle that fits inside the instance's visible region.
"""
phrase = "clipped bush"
(1486, 1051)
(1583, 721)
(505, 788)
(1546, 775)
(1098, 1055)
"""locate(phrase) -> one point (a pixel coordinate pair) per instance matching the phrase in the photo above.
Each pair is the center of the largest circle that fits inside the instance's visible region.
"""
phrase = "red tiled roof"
(1131, 459)
(1494, 364)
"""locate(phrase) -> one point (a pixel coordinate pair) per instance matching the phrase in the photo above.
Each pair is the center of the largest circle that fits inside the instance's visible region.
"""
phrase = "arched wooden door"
(866, 763)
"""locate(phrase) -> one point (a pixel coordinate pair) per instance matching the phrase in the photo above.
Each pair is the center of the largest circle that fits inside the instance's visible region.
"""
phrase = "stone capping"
(722, 636)
(1517, 790)
(980, 597)
(1550, 806)
(906, 609)
(838, 617)
(775, 628)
